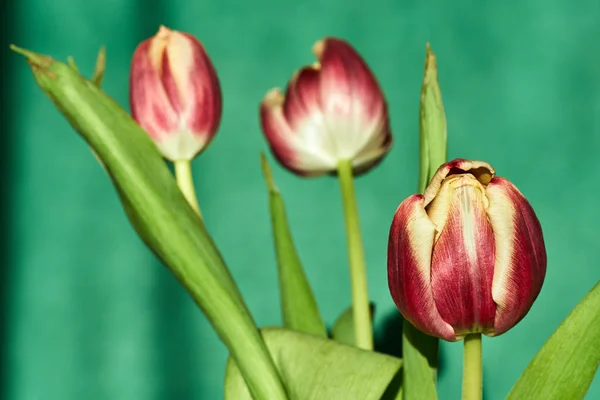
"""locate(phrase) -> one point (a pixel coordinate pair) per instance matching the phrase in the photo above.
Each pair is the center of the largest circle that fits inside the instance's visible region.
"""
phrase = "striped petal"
(302, 110)
(276, 128)
(462, 264)
(409, 268)
(348, 84)
(150, 105)
(191, 80)
(520, 266)
(334, 110)
(175, 93)
(290, 149)
(302, 105)
(352, 101)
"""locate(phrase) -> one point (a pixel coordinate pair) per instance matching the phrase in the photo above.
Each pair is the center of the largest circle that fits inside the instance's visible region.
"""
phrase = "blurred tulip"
(175, 94)
(333, 110)
(468, 256)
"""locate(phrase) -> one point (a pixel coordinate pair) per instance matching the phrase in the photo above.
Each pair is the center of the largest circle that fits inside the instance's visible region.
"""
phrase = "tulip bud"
(467, 256)
(175, 94)
(333, 110)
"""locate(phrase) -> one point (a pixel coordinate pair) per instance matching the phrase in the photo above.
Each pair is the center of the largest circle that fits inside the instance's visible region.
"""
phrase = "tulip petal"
(520, 253)
(303, 113)
(479, 169)
(409, 268)
(287, 147)
(463, 256)
(196, 83)
(348, 84)
(170, 85)
(175, 94)
(353, 102)
(302, 99)
(373, 152)
(150, 106)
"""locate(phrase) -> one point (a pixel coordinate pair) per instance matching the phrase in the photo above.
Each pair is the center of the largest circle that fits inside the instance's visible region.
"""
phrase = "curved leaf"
(565, 366)
(298, 304)
(160, 214)
(316, 369)
(432, 127)
(343, 328)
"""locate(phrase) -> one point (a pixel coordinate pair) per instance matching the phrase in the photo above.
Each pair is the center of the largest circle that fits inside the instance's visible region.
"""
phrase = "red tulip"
(467, 256)
(175, 94)
(333, 110)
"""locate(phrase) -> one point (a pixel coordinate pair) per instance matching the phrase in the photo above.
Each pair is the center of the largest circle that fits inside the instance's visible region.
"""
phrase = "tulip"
(175, 94)
(467, 256)
(333, 110)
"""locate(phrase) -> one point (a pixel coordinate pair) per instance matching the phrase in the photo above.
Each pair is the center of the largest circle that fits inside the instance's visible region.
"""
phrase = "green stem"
(183, 174)
(356, 255)
(472, 376)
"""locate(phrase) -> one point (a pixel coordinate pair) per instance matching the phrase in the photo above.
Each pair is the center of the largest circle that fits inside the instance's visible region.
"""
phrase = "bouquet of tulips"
(466, 254)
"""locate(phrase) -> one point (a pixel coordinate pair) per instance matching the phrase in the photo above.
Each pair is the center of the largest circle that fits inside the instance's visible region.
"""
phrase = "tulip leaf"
(343, 328)
(419, 355)
(72, 64)
(100, 67)
(315, 368)
(298, 304)
(419, 351)
(432, 127)
(565, 366)
(160, 214)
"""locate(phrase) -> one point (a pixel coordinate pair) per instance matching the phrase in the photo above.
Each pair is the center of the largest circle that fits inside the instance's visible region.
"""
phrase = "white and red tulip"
(466, 256)
(175, 93)
(333, 110)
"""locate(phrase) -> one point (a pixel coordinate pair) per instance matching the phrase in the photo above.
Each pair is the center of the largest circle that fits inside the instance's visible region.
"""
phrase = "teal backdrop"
(89, 313)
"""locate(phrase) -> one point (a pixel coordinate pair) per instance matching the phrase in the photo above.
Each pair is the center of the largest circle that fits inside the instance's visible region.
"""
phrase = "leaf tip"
(18, 50)
(72, 64)
(267, 173)
(430, 60)
(100, 66)
(32, 57)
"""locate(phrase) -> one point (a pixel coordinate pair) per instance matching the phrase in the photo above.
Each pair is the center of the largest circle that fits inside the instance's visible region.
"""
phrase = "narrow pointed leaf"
(98, 75)
(432, 127)
(565, 366)
(420, 351)
(72, 64)
(298, 304)
(315, 368)
(160, 214)
(343, 328)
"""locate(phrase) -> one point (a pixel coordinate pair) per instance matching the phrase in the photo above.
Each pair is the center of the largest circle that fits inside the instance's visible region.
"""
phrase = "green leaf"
(420, 351)
(99, 68)
(72, 64)
(160, 214)
(298, 304)
(433, 137)
(419, 355)
(315, 369)
(343, 328)
(98, 75)
(565, 366)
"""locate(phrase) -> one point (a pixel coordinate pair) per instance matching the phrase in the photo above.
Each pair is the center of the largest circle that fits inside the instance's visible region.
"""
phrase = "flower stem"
(472, 376)
(358, 275)
(183, 174)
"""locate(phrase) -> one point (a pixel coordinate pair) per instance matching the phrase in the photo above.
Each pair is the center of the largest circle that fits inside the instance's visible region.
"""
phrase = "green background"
(89, 313)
